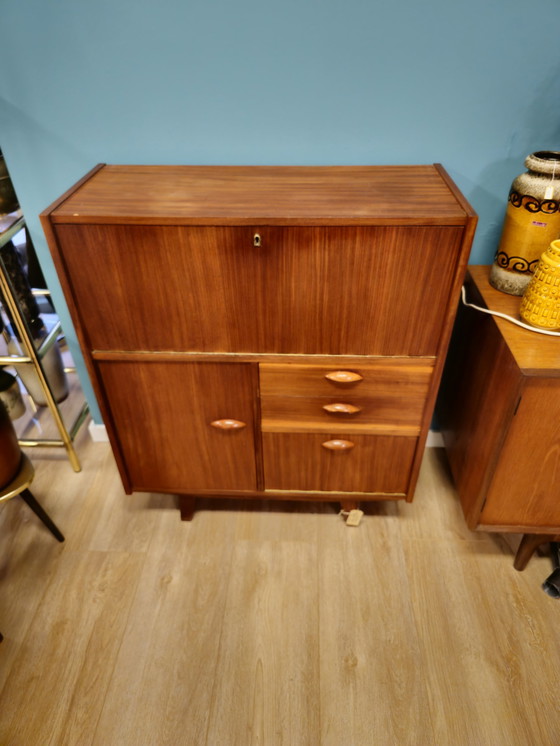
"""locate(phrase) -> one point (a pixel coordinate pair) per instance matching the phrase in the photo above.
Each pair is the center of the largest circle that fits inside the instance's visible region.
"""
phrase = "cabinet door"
(375, 290)
(524, 492)
(477, 399)
(183, 426)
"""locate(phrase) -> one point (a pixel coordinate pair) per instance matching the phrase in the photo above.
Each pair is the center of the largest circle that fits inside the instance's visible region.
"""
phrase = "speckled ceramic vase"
(531, 223)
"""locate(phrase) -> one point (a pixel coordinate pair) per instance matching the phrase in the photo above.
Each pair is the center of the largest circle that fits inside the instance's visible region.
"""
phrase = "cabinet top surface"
(535, 354)
(275, 194)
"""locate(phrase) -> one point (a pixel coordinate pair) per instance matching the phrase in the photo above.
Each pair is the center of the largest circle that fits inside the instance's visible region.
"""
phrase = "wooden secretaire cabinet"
(264, 331)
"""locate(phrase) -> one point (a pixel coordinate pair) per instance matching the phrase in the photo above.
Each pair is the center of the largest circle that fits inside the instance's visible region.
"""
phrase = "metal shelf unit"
(10, 225)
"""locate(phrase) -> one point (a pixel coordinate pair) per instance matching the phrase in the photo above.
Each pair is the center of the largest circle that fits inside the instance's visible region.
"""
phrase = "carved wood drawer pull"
(341, 408)
(228, 424)
(344, 376)
(338, 445)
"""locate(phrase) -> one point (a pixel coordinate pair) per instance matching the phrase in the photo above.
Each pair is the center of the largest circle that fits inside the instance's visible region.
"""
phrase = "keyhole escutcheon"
(257, 241)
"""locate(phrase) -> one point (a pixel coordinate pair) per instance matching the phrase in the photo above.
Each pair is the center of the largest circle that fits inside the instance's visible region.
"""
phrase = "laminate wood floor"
(267, 624)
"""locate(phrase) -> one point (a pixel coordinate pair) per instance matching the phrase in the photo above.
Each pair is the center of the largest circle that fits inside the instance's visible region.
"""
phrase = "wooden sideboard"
(264, 331)
(499, 410)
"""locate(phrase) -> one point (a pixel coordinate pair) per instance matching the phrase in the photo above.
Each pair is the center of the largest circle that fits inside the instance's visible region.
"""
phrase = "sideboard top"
(303, 195)
(535, 354)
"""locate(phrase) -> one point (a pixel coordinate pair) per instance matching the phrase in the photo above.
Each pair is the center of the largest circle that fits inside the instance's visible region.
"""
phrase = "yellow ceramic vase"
(531, 222)
(540, 305)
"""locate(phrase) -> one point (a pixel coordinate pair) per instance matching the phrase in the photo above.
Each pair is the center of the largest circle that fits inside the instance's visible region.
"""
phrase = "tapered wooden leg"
(528, 544)
(348, 505)
(187, 506)
(38, 510)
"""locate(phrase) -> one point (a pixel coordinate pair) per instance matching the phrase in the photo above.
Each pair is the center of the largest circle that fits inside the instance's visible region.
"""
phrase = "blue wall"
(474, 85)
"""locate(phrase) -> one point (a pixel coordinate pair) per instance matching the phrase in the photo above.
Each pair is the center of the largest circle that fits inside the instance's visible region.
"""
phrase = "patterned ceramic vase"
(541, 302)
(532, 221)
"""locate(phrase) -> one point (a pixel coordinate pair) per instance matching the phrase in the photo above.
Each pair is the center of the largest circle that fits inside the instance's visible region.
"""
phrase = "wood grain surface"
(388, 397)
(480, 391)
(267, 623)
(386, 377)
(500, 420)
(164, 415)
(237, 194)
(327, 263)
(380, 416)
(528, 495)
(541, 359)
(336, 291)
(298, 461)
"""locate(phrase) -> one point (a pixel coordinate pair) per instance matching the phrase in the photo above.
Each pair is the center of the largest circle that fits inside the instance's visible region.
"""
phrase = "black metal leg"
(551, 585)
(38, 510)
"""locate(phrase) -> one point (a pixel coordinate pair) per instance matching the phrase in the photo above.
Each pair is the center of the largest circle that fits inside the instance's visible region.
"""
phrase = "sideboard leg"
(348, 505)
(187, 506)
(528, 544)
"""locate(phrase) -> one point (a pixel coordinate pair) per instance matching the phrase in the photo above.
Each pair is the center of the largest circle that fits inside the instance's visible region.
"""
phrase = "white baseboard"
(434, 440)
(99, 435)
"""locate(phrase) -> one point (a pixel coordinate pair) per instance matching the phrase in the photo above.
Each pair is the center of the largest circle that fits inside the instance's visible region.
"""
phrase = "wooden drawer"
(300, 462)
(385, 397)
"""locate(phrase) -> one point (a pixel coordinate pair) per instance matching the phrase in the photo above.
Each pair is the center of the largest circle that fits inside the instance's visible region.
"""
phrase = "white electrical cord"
(507, 318)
